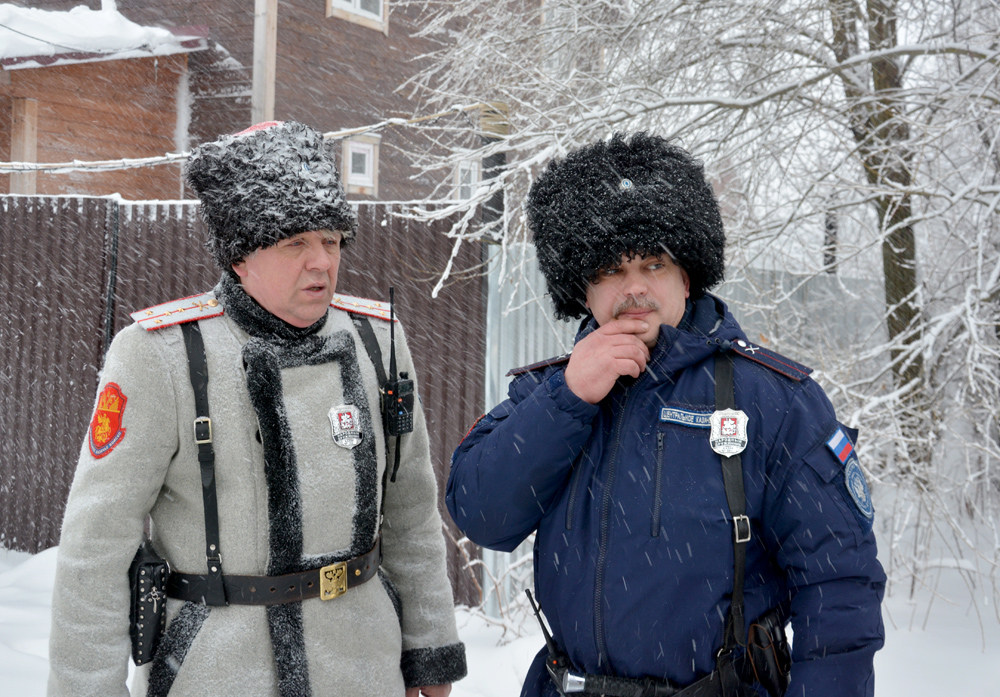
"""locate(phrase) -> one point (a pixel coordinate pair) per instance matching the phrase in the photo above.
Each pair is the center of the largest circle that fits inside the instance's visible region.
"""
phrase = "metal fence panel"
(53, 281)
(520, 330)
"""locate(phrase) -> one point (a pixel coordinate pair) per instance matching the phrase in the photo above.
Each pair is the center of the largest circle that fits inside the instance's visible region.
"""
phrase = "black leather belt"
(328, 582)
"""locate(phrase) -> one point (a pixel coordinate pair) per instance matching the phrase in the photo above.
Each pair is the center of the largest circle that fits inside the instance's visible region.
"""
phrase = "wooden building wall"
(332, 74)
(97, 111)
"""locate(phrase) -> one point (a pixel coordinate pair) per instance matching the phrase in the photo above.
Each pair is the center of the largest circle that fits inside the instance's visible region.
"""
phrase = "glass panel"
(465, 181)
(359, 162)
(373, 6)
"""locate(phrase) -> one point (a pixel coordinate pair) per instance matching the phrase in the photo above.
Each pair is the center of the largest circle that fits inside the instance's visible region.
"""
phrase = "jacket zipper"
(658, 484)
(574, 484)
(603, 549)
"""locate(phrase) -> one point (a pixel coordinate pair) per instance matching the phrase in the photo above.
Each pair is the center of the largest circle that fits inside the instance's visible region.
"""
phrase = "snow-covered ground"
(946, 652)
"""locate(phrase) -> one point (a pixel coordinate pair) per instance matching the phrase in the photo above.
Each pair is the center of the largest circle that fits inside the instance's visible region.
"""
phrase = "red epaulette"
(540, 364)
(361, 306)
(770, 359)
(178, 311)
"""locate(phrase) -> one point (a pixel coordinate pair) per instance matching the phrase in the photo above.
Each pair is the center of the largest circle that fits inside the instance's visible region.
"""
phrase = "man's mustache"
(633, 303)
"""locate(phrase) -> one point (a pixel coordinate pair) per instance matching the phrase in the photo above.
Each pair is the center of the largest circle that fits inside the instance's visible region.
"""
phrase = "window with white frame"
(360, 165)
(466, 179)
(370, 13)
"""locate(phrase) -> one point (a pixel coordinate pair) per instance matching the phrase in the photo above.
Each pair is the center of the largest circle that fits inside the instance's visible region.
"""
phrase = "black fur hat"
(636, 196)
(265, 184)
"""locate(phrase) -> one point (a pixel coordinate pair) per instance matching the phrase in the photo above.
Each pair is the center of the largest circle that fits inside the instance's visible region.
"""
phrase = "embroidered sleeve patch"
(857, 486)
(106, 430)
(840, 445)
(854, 477)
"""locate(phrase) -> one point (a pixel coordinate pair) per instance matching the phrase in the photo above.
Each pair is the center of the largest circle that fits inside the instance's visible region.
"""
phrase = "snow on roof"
(31, 38)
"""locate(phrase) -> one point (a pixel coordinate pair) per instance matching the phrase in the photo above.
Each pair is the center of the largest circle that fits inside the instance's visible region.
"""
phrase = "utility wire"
(173, 158)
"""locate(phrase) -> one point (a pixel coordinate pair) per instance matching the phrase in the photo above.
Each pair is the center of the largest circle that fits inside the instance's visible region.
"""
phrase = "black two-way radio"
(397, 393)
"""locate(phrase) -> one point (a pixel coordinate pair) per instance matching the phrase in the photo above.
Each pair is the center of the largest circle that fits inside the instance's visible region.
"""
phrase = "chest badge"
(346, 425)
(729, 432)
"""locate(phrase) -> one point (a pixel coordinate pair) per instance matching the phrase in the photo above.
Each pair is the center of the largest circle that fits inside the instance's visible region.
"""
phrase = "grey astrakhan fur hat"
(265, 184)
(640, 195)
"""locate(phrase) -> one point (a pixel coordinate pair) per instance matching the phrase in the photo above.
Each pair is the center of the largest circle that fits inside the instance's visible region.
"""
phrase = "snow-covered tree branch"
(852, 144)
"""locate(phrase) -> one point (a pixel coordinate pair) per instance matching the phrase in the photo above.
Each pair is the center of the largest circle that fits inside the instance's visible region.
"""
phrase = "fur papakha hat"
(265, 184)
(611, 198)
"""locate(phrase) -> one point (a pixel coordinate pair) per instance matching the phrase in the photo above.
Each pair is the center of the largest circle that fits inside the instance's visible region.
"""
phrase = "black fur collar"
(254, 319)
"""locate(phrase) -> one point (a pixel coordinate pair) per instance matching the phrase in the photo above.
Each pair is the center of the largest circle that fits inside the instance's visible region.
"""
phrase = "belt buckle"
(333, 581)
(741, 525)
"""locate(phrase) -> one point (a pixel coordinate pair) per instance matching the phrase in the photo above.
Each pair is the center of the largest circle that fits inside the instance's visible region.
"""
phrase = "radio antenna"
(392, 336)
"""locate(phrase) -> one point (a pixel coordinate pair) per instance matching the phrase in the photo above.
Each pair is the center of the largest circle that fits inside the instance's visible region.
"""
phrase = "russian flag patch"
(840, 445)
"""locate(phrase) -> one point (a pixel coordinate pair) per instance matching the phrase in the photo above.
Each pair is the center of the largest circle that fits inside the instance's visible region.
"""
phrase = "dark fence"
(73, 268)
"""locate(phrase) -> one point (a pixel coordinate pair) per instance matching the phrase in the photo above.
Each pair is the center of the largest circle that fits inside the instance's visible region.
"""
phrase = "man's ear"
(240, 268)
(687, 283)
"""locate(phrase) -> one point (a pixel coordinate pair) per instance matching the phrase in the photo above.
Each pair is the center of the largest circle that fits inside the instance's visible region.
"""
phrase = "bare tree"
(883, 116)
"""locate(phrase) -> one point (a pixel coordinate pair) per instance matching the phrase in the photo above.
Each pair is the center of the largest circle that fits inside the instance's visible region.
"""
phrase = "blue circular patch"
(625, 185)
(857, 487)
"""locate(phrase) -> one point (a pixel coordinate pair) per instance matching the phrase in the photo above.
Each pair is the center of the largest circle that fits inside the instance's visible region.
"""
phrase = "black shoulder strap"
(198, 366)
(367, 334)
(732, 475)
(371, 345)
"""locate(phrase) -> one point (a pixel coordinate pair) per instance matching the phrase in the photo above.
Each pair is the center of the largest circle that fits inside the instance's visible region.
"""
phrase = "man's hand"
(604, 356)
(429, 690)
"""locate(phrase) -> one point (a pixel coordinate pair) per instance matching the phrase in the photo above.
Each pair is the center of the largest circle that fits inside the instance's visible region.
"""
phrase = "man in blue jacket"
(692, 492)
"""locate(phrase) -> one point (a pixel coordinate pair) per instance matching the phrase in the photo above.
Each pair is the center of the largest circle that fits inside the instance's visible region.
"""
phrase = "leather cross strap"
(214, 591)
(327, 582)
(732, 474)
(367, 335)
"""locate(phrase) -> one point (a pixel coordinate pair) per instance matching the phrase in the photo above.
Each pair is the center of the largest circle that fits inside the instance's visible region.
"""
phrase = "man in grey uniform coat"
(300, 457)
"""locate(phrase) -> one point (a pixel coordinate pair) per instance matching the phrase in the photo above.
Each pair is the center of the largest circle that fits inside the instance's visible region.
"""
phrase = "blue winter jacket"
(634, 548)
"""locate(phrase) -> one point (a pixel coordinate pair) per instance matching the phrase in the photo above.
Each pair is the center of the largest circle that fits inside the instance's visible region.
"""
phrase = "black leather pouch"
(147, 577)
(768, 655)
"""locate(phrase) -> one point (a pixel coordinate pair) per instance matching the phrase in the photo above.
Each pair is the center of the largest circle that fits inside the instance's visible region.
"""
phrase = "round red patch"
(106, 427)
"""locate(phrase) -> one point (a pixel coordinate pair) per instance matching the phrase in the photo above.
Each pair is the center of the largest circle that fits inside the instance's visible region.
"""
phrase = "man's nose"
(317, 258)
(634, 284)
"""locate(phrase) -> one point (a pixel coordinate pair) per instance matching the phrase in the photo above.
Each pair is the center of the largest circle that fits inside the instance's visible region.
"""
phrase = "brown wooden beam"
(24, 143)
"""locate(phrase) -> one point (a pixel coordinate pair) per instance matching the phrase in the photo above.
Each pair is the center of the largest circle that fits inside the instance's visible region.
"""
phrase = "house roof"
(31, 38)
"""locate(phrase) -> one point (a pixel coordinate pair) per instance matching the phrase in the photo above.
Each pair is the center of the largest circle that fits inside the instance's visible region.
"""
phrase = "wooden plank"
(24, 144)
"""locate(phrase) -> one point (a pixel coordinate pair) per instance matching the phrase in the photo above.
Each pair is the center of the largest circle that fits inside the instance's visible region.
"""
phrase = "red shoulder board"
(539, 365)
(770, 359)
(361, 306)
(178, 311)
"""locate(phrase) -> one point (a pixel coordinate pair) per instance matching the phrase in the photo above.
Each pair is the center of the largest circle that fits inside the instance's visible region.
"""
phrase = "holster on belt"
(768, 659)
(147, 578)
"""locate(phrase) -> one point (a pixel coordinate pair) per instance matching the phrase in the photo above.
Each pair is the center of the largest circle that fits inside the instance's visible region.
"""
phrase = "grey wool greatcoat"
(290, 499)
